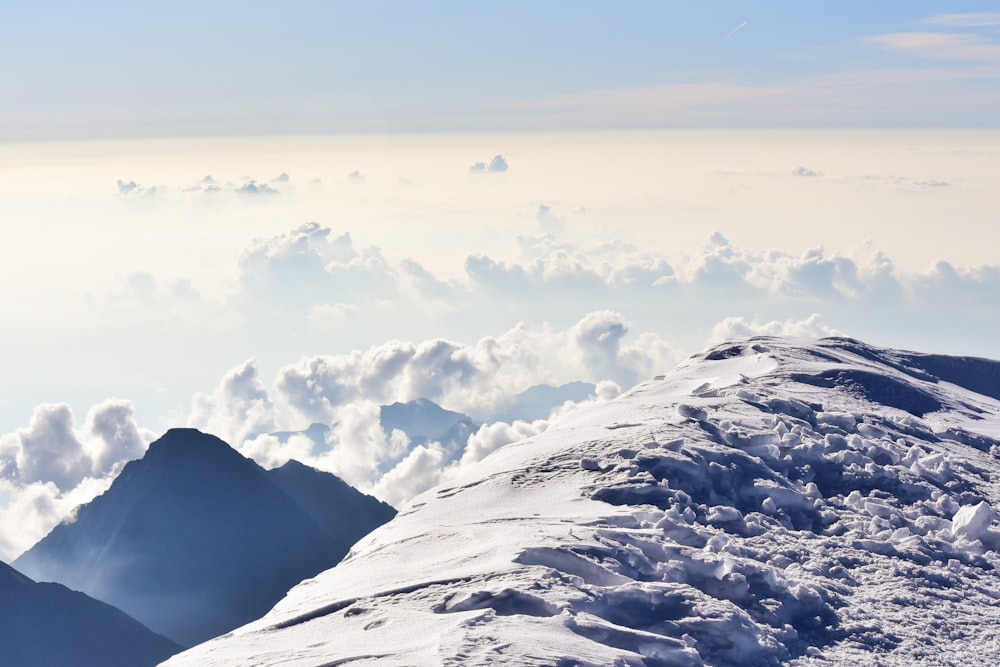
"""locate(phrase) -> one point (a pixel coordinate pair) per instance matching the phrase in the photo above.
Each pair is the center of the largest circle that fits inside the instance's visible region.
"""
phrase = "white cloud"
(239, 408)
(940, 45)
(117, 436)
(358, 443)
(48, 450)
(133, 189)
(547, 220)
(738, 327)
(967, 20)
(497, 165)
(52, 465)
(292, 272)
(420, 470)
(32, 510)
(491, 437)
(270, 452)
(254, 188)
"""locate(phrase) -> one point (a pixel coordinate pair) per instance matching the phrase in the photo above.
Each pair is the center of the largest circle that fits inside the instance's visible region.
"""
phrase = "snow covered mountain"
(48, 625)
(771, 501)
(194, 539)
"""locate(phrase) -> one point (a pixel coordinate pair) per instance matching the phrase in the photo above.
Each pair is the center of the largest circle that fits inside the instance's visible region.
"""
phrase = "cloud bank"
(558, 309)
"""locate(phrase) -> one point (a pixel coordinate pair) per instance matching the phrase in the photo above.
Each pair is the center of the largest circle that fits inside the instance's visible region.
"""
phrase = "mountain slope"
(768, 502)
(194, 539)
(48, 625)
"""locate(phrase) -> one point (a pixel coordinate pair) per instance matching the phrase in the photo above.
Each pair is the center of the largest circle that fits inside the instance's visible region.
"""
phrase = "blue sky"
(245, 217)
(108, 69)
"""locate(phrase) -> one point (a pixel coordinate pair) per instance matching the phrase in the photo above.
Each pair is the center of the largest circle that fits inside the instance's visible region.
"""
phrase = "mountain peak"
(189, 442)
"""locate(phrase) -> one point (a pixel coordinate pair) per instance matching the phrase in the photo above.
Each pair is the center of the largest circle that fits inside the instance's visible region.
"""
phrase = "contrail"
(733, 31)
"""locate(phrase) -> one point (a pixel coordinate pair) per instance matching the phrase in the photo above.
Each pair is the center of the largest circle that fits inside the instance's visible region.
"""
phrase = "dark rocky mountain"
(48, 625)
(194, 539)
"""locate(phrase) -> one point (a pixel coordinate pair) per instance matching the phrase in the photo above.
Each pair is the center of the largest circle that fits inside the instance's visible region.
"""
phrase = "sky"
(247, 218)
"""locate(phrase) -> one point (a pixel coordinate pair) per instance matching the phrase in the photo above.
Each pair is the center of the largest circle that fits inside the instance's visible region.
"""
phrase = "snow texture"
(771, 501)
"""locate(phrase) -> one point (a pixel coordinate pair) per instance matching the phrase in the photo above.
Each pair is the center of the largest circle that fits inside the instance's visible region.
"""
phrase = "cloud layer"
(558, 309)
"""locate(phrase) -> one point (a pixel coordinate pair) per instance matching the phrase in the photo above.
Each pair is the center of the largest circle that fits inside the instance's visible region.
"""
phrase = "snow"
(771, 501)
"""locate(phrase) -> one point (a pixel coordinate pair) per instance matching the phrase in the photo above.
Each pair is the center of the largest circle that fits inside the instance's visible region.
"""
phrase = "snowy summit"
(770, 501)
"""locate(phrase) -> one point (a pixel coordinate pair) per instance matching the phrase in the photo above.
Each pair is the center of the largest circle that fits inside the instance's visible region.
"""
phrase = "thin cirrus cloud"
(967, 20)
(943, 46)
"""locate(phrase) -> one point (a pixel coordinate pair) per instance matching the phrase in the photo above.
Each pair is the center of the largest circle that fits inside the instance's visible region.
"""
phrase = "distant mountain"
(48, 625)
(539, 401)
(316, 432)
(768, 502)
(422, 420)
(194, 539)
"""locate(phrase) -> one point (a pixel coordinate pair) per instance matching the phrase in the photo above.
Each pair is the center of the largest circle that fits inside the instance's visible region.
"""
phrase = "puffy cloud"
(52, 465)
(804, 171)
(476, 379)
(346, 391)
(133, 189)
(427, 284)
(358, 443)
(598, 338)
(271, 451)
(48, 450)
(308, 266)
(281, 178)
(252, 187)
(393, 371)
(491, 437)
(356, 177)
(239, 408)
(497, 165)
(420, 470)
(737, 327)
(34, 509)
(117, 436)
(548, 220)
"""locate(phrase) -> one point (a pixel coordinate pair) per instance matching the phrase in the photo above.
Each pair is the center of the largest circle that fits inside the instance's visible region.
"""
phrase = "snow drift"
(770, 501)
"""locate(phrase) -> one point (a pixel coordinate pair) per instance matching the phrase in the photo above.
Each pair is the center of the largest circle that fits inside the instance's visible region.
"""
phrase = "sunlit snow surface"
(770, 501)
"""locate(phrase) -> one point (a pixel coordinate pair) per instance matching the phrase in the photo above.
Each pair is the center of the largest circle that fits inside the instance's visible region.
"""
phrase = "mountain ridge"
(770, 501)
(48, 624)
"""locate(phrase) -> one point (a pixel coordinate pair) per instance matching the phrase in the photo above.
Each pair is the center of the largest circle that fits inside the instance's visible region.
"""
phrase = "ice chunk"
(972, 521)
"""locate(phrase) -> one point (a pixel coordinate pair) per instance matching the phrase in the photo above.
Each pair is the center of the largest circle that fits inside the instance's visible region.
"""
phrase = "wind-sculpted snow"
(768, 502)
